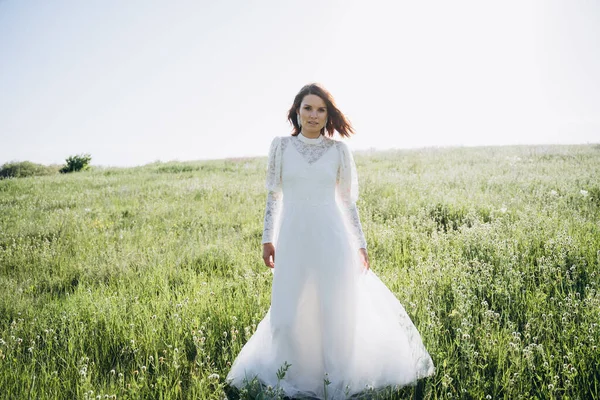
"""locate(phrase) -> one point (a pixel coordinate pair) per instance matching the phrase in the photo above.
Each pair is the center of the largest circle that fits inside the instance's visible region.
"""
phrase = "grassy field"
(144, 283)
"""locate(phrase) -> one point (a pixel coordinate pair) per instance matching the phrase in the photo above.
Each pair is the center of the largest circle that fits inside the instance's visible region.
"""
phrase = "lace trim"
(352, 215)
(422, 360)
(274, 195)
(271, 213)
(347, 180)
(278, 146)
(312, 152)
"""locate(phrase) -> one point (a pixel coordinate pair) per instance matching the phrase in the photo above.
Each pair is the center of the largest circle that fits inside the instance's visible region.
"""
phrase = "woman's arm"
(274, 195)
(348, 194)
(271, 212)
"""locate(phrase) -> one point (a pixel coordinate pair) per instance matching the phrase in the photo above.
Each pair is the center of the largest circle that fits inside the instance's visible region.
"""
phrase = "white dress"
(338, 327)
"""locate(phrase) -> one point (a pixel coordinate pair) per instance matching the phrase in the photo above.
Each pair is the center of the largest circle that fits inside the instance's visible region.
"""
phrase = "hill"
(145, 282)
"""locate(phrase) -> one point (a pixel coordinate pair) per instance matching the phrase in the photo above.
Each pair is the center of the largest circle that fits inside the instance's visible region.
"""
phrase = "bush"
(20, 169)
(77, 163)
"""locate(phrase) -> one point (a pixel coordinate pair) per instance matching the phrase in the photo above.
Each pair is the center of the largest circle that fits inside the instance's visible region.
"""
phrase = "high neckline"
(308, 140)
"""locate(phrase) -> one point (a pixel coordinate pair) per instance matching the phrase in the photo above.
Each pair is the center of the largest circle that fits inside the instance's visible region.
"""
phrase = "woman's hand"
(269, 255)
(364, 257)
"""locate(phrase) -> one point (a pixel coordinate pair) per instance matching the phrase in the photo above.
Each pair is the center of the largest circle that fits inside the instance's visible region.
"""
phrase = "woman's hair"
(336, 120)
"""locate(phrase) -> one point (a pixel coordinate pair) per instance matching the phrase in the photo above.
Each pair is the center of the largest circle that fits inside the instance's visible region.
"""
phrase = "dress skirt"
(336, 326)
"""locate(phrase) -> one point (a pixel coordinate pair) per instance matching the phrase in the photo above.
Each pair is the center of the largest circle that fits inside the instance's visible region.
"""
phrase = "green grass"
(146, 282)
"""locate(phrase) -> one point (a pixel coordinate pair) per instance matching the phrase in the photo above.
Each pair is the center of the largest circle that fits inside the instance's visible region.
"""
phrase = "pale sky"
(132, 82)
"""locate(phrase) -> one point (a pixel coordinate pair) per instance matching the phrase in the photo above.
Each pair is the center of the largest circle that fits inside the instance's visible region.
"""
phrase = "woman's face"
(313, 114)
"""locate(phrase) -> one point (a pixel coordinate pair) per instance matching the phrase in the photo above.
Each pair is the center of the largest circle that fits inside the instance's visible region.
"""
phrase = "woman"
(333, 329)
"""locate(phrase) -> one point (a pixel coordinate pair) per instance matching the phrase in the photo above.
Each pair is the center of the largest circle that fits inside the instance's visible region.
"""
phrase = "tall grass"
(146, 282)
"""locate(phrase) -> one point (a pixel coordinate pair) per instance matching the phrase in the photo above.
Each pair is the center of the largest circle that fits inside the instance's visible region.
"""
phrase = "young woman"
(334, 325)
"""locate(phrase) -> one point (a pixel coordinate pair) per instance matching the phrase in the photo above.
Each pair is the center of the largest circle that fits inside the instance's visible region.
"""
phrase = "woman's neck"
(311, 135)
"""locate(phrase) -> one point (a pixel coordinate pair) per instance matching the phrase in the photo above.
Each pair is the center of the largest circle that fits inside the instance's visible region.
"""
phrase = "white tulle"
(338, 326)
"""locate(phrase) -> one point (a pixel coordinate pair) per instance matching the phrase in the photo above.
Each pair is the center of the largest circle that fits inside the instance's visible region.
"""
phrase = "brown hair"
(336, 120)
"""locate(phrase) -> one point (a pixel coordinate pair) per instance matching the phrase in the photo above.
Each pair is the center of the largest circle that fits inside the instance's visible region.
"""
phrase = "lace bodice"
(311, 149)
(314, 182)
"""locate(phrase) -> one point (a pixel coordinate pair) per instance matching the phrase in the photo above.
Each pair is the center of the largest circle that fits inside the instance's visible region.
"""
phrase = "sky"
(138, 81)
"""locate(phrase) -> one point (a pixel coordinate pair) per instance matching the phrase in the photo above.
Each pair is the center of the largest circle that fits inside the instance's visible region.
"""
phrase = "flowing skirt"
(337, 327)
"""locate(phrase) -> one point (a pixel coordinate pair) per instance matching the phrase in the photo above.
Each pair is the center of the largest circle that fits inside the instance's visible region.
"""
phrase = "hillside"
(145, 282)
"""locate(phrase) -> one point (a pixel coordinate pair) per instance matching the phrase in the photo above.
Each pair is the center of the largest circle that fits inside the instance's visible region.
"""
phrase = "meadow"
(145, 282)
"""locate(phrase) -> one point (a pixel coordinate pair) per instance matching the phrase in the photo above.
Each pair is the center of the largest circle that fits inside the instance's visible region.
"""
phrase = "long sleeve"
(274, 193)
(347, 186)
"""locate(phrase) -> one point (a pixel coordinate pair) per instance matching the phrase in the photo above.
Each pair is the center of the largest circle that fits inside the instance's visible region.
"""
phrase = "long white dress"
(337, 325)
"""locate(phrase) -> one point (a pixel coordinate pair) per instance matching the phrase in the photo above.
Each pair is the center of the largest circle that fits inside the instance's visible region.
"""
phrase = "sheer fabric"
(311, 151)
(338, 326)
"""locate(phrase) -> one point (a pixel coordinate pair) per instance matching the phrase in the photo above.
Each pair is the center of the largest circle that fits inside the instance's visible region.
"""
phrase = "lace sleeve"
(347, 187)
(274, 194)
